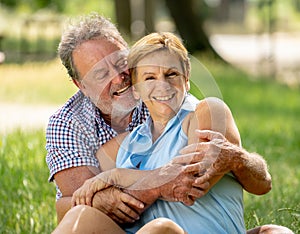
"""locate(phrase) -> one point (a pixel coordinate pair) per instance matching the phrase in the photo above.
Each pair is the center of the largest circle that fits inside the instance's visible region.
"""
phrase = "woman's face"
(161, 84)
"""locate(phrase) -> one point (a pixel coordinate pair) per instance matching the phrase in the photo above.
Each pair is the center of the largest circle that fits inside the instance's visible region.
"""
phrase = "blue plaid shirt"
(76, 131)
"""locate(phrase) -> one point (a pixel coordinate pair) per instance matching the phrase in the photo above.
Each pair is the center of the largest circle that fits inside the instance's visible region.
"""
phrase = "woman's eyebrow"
(147, 73)
(171, 68)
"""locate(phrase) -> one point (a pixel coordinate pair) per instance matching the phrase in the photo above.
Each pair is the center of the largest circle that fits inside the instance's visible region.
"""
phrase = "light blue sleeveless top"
(219, 211)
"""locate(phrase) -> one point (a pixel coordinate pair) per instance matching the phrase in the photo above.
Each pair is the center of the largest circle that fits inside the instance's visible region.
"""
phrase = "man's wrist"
(147, 196)
(240, 156)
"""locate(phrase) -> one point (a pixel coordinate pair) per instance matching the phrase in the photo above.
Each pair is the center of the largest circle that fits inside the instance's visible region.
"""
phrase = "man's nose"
(119, 78)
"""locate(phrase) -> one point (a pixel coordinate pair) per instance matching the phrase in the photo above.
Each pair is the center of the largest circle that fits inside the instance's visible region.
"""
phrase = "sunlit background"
(262, 37)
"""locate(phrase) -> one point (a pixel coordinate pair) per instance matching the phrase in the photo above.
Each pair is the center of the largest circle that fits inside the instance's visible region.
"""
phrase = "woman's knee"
(86, 219)
(275, 229)
(270, 229)
(162, 225)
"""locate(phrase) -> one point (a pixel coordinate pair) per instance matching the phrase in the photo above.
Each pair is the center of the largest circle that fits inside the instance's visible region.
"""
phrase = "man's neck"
(119, 122)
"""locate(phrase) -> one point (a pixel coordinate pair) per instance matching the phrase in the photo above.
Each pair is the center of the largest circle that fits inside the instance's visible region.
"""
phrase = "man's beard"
(125, 107)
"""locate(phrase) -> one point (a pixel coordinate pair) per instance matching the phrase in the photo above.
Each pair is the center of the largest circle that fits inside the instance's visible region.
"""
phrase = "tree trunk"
(149, 15)
(190, 26)
(123, 15)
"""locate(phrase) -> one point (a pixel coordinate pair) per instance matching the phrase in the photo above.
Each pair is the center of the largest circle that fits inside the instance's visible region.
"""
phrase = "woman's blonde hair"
(155, 42)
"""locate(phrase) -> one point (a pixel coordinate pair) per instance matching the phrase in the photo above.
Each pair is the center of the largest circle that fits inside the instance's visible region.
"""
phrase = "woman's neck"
(158, 128)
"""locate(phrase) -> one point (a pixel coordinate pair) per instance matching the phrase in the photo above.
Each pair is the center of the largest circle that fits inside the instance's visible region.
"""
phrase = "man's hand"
(221, 157)
(172, 182)
(184, 186)
(119, 206)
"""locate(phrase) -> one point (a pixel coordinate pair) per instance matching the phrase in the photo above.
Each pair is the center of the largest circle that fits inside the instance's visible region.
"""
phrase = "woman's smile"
(164, 98)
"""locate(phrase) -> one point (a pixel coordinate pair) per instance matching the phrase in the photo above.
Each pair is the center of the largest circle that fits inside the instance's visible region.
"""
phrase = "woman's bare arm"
(226, 153)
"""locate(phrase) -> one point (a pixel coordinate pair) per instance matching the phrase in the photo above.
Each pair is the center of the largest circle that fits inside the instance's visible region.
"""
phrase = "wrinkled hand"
(84, 195)
(182, 185)
(218, 154)
(119, 206)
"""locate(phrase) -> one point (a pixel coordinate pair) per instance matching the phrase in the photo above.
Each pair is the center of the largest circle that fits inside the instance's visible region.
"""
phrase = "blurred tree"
(9, 3)
(149, 16)
(56, 5)
(297, 4)
(266, 9)
(123, 15)
(188, 21)
(190, 25)
(125, 10)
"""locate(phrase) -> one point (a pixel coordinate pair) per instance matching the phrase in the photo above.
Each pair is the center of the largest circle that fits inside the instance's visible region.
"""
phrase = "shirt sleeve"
(67, 146)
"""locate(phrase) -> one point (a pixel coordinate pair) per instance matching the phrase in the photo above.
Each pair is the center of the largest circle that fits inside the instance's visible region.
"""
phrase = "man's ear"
(77, 83)
(81, 86)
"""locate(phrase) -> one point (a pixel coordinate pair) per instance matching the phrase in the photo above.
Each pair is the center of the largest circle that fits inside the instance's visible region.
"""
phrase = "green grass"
(27, 200)
(35, 83)
(267, 114)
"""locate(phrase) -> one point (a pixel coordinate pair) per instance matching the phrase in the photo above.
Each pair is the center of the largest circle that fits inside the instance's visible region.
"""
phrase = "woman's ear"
(135, 93)
(187, 86)
(187, 83)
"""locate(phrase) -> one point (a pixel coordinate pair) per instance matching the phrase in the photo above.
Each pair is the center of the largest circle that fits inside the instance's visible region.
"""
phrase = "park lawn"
(266, 113)
(35, 83)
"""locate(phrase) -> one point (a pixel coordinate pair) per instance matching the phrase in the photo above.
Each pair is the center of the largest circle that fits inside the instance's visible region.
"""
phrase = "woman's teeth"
(164, 98)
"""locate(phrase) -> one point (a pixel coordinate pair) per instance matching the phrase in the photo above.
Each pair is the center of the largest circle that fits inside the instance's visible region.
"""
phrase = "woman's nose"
(163, 84)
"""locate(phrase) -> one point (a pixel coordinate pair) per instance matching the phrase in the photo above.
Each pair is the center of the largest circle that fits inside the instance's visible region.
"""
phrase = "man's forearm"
(146, 188)
(172, 182)
(141, 184)
(251, 171)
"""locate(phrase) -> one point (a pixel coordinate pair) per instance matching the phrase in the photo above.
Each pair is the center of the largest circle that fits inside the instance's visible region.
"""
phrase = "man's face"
(102, 67)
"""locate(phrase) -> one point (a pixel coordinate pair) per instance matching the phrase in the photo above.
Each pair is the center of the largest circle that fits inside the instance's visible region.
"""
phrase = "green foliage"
(9, 3)
(56, 5)
(69, 7)
(24, 50)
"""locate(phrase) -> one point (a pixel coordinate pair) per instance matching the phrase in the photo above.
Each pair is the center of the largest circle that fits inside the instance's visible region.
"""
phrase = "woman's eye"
(172, 75)
(149, 78)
